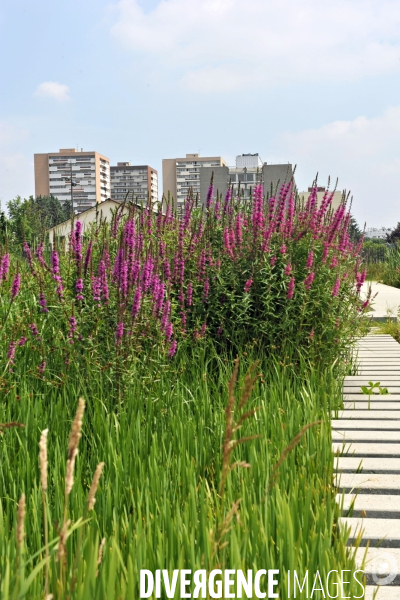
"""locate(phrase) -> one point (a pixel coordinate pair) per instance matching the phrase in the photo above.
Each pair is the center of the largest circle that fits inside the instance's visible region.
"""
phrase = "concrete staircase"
(366, 441)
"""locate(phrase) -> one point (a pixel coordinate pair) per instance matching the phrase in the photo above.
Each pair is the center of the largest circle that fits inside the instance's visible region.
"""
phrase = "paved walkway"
(366, 440)
(386, 303)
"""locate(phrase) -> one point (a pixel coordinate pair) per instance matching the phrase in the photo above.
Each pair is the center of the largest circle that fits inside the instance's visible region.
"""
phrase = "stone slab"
(365, 436)
(367, 414)
(358, 424)
(374, 505)
(376, 531)
(363, 406)
(384, 592)
(380, 565)
(377, 397)
(372, 482)
(366, 449)
(351, 389)
(362, 380)
(368, 465)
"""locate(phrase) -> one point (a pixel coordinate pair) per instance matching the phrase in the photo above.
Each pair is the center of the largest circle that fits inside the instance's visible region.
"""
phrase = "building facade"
(336, 199)
(139, 182)
(247, 172)
(181, 174)
(90, 172)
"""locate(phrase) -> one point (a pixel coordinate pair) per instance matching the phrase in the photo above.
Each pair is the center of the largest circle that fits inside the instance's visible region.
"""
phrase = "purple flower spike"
(137, 298)
(34, 330)
(79, 288)
(119, 332)
(15, 286)
(290, 292)
(172, 349)
(309, 280)
(88, 256)
(210, 195)
(42, 367)
(248, 285)
(4, 266)
(168, 331)
(310, 260)
(43, 303)
(11, 352)
(336, 287)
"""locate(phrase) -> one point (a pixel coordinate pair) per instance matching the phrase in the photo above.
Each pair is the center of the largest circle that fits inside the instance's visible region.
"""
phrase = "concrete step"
(385, 532)
(352, 389)
(359, 424)
(361, 380)
(366, 449)
(378, 397)
(380, 436)
(380, 565)
(373, 505)
(362, 405)
(366, 414)
(384, 592)
(350, 464)
(369, 482)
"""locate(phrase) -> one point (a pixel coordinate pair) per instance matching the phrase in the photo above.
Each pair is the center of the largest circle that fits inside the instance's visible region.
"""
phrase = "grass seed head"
(43, 458)
(20, 521)
(93, 488)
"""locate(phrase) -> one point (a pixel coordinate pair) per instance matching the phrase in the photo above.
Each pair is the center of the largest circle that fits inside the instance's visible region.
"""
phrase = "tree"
(30, 218)
(355, 231)
(394, 236)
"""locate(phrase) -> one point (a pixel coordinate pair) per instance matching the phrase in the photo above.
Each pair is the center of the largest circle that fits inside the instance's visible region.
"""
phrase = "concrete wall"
(221, 180)
(41, 162)
(275, 176)
(104, 211)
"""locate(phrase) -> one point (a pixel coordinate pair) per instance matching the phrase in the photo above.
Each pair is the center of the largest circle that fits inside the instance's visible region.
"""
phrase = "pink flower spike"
(248, 285)
(309, 280)
(172, 349)
(15, 286)
(290, 292)
(336, 287)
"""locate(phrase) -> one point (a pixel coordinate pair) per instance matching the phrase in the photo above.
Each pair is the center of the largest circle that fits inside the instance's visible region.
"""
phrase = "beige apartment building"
(181, 174)
(336, 200)
(139, 182)
(90, 172)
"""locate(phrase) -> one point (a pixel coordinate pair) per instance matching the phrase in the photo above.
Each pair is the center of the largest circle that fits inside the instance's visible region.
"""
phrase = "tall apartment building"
(90, 173)
(181, 174)
(247, 172)
(139, 181)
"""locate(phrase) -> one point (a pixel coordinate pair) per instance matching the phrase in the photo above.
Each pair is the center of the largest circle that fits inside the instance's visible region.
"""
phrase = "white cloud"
(52, 89)
(219, 45)
(363, 153)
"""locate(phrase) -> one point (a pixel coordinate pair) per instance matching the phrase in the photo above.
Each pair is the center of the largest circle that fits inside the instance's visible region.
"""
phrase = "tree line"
(29, 218)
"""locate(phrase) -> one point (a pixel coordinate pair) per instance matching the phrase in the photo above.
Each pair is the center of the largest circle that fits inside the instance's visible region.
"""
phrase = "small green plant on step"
(372, 387)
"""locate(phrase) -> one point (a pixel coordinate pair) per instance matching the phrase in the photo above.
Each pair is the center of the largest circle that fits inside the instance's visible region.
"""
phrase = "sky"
(310, 83)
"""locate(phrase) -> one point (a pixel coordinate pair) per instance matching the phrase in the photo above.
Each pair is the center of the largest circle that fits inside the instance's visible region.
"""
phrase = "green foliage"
(373, 388)
(195, 476)
(394, 236)
(29, 218)
(158, 504)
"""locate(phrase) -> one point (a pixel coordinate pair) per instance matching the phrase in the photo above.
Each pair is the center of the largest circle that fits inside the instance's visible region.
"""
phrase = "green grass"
(158, 504)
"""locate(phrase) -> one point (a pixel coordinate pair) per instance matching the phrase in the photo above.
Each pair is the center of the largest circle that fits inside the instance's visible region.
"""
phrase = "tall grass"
(158, 504)
(144, 318)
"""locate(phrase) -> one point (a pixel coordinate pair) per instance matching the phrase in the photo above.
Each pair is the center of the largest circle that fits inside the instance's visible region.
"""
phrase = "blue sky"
(310, 83)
